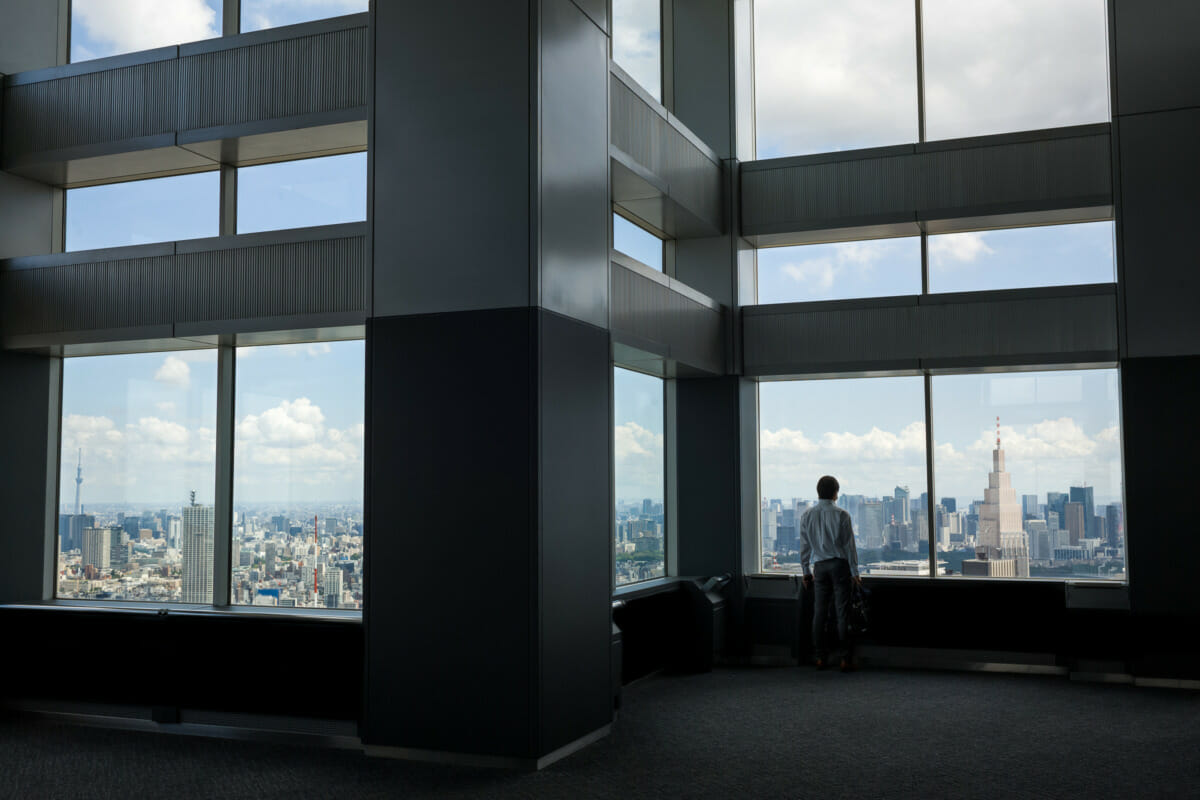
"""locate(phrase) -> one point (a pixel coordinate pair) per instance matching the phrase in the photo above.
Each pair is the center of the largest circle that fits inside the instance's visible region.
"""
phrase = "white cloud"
(637, 42)
(174, 372)
(129, 25)
(291, 423)
(866, 463)
(167, 407)
(639, 462)
(957, 248)
(269, 13)
(835, 76)
(154, 431)
(835, 263)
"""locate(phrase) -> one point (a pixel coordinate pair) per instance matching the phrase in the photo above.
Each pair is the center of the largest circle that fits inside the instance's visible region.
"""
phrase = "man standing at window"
(827, 539)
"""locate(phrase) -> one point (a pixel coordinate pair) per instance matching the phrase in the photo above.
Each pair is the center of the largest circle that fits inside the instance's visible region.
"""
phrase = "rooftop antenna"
(193, 496)
(997, 433)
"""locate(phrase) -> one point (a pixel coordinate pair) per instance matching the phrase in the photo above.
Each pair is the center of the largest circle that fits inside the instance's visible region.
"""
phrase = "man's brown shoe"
(820, 662)
(846, 665)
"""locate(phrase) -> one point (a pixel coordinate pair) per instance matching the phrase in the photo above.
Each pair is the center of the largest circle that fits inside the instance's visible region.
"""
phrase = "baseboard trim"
(131, 719)
(487, 761)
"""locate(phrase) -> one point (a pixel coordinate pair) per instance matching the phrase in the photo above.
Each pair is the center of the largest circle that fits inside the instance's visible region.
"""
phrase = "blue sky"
(638, 416)
(637, 243)
(1051, 255)
(146, 424)
(102, 28)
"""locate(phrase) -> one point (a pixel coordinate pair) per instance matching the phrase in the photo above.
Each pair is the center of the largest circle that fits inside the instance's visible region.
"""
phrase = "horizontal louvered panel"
(1060, 326)
(106, 107)
(306, 277)
(94, 108)
(691, 175)
(1008, 174)
(305, 75)
(648, 315)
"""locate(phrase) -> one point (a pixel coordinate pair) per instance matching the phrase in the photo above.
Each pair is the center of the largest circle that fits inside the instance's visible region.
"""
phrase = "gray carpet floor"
(744, 733)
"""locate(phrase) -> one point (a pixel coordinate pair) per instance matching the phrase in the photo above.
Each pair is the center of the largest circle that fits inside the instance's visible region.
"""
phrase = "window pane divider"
(223, 496)
(931, 502)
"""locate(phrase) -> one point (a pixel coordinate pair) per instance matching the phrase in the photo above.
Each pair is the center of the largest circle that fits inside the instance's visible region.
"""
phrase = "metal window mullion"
(920, 72)
(231, 17)
(930, 492)
(223, 496)
(52, 545)
(670, 479)
(227, 211)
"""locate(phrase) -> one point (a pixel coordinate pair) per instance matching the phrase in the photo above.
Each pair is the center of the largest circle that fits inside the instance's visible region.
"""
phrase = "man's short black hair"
(827, 487)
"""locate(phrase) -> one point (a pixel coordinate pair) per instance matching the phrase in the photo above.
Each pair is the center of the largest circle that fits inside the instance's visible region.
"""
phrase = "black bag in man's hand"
(860, 610)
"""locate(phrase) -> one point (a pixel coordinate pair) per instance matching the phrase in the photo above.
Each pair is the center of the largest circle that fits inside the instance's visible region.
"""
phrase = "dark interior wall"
(451, 499)
(451, 115)
(707, 443)
(192, 661)
(28, 405)
(1160, 398)
(575, 537)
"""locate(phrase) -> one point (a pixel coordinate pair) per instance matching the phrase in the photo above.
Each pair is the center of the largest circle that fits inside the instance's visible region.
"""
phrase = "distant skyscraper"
(197, 551)
(1075, 522)
(97, 548)
(1000, 520)
(1113, 515)
(1029, 505)
(1055, 501)
(1085, 495)
(871, 523)
(950, 504)
(903, 510)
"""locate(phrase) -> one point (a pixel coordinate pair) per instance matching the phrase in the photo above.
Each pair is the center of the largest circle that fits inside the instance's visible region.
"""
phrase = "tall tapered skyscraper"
(1001, 533)
(197, 552)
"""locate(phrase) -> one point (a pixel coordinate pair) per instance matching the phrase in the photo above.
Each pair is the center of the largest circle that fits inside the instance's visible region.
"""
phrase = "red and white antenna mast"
(997, 433)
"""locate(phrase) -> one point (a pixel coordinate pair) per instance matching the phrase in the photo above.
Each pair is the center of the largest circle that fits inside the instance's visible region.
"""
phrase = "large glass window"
(637, 42)
(137, 477)
(140, 212)
(993, 66)
(1054, 255)
(1028, 474)
(102, 28)
(839, 271)
(869, 433)
(298, 194)
(834, 76)
(640, 470)
(637, 243)
(298, 476)
(260, 14)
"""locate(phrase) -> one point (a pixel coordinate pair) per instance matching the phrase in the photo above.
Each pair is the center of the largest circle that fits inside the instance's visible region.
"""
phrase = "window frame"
(670, 537)
(753, 541)
(222, 496)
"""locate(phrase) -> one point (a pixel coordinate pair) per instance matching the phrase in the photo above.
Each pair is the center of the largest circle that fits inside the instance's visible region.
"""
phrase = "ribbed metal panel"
(810, 194)
(1008, 174)
(693, 177)
(210, 85)
(1005, 329)
(654, 317)
(94, 108)
(223, 283)
(287, 78)
(1060, 326)
(797, 340)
